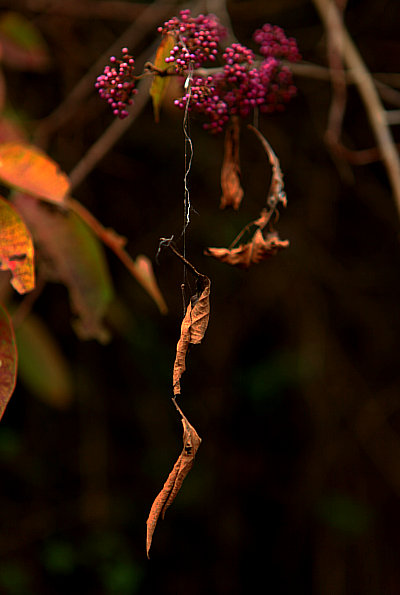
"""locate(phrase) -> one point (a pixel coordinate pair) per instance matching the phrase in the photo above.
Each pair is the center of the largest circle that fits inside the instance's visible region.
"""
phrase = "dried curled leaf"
(72, 255)
(193, 328)
(28, 169)
(8, 360)
(232, 192)
(191, 443)
(255, 251)
(276, 192)
(16, 248)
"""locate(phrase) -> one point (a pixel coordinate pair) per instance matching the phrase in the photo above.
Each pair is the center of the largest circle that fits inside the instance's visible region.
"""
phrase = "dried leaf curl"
(232, 191)
(254, 252)
(191, 443)
(193, 328)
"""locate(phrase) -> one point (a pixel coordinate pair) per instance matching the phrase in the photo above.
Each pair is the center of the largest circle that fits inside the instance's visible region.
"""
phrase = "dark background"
(295, 389)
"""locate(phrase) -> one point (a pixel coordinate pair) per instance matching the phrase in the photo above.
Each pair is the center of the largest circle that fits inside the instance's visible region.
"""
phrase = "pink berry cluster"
(274, 43)
(196, 39)
(117, 83)
(242, 84)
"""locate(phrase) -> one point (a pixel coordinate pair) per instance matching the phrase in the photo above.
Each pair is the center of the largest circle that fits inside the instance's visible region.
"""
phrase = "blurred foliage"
(295, 388)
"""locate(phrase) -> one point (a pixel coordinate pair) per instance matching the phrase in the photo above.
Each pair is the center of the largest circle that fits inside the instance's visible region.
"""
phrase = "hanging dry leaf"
(276, 192)
(28, 169)
(194, 326)
(8, 360)
(16, 248)
(191, 443)
(255, 251)
(232, 192)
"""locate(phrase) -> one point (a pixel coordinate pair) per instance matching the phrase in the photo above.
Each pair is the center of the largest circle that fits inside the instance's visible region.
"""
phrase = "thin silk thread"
(188, 165)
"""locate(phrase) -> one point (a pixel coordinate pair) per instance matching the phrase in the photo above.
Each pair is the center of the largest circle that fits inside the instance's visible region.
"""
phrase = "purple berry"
(117, 83)
(196, 39)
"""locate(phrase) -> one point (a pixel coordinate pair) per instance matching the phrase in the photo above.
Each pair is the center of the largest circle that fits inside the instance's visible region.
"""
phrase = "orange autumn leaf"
(8, 360)
(193, 328)
(255, 251)
(232, 192)
(16, 248)
(191, 443)
(29, 169)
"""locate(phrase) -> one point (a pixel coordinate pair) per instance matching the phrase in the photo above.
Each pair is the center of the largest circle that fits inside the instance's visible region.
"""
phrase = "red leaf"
(8, 360)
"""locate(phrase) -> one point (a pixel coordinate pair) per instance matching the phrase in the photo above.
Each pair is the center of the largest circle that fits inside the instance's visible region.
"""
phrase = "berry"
(242, 86)
(117, 84)
(278, 83)
(196, 39)
(274, 43)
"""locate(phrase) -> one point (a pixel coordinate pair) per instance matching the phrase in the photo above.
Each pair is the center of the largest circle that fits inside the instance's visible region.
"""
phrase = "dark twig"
(137, 31)
(110, 136)
(185, 262)
(116, 243)
(363, 79)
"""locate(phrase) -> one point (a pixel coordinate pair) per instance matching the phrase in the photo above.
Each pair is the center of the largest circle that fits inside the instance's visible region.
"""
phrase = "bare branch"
(109, 137)
(145, 22)
(363, 79)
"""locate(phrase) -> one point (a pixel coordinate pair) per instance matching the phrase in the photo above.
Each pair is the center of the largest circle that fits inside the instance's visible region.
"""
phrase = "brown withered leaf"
(276, 192)
(193, 328)
(232, 192)
(255, 251)
(191, 443)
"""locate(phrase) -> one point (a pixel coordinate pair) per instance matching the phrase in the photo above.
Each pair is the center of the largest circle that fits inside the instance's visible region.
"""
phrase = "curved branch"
(363, 79)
